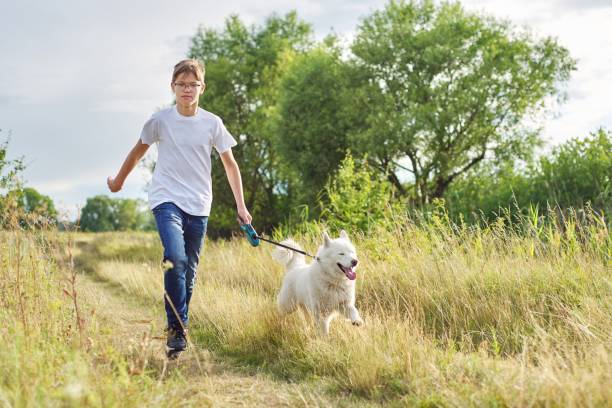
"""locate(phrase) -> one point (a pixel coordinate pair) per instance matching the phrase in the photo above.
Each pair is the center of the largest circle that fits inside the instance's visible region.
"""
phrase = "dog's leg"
(351, 312)
(325, 324)
(286, 306)
(286, 302)
(321, 321)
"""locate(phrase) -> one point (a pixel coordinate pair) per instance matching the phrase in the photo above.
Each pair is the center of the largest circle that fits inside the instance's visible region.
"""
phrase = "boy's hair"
(189, 65)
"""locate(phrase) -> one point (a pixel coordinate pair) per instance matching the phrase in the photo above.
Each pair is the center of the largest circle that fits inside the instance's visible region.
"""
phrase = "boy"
(180, 194)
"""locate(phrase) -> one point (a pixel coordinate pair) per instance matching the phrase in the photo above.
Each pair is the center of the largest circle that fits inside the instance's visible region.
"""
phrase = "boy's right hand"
(113, 186)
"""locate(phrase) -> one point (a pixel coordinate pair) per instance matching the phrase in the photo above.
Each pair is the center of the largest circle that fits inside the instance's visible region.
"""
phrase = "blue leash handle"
(253, 238)
(251, 234)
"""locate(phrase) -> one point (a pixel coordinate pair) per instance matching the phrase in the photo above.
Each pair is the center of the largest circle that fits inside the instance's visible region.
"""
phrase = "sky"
(78, 79)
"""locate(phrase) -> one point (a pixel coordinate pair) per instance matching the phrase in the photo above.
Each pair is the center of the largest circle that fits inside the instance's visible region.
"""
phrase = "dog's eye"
(341, 254)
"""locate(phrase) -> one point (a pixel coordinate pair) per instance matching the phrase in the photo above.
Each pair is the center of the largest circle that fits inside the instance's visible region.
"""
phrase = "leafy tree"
(486, 190)
(102, 213)
(243, 67)
(129, 215)
(441, 89)
(27, 208)
(310, 128)
(34, 202)
(575, 173)
(98, 214)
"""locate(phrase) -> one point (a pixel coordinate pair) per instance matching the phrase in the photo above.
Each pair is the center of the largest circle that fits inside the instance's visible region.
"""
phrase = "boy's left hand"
(243, 216)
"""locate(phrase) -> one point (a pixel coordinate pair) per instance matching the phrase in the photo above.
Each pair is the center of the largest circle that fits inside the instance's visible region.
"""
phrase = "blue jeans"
(182, 236)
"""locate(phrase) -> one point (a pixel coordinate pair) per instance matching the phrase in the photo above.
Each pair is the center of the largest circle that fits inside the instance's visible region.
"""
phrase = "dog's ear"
(344, 235)
(326, 239)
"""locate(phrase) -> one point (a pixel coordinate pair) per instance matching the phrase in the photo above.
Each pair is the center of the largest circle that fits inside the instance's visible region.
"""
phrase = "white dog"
(324, 287)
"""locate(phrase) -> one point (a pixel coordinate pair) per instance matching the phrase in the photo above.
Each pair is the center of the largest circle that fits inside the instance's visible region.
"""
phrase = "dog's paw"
(357, 322)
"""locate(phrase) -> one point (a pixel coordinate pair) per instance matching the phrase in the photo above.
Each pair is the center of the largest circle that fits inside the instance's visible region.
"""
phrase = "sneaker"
(176, 339)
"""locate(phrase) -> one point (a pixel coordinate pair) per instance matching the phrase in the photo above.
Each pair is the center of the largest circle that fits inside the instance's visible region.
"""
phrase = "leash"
(254, 239)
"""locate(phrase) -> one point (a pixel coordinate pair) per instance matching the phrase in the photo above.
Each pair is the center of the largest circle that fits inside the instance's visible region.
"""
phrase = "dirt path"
(137, 331)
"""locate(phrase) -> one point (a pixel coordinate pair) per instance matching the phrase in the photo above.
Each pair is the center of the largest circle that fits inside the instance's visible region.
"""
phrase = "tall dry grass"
(513, 313)
(53, 350)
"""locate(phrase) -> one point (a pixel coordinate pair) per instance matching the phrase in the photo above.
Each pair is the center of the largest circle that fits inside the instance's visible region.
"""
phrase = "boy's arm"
(115, 184)
(235, 180)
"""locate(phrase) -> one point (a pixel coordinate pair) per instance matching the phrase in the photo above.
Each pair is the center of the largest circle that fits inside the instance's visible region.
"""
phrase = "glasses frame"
(183, 86)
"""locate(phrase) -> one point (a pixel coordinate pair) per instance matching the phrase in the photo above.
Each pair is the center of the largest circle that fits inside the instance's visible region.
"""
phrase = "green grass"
(47, 358)
(455, 315)
(496, 315)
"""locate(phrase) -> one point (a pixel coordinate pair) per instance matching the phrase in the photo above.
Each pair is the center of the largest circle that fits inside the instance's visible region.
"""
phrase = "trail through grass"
(499, 315)
(455, 316)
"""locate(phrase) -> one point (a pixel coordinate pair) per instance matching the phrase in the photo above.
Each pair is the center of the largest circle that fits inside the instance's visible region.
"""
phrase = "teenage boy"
(180, 194)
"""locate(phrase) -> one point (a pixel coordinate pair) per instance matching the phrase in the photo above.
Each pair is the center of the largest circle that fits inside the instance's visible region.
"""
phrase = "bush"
(356, 199)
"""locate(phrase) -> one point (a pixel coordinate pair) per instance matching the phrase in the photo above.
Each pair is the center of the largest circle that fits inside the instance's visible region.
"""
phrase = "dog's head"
(338, 256)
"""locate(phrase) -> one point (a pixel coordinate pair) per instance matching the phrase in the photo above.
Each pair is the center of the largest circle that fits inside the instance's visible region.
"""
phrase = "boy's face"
(187, 89)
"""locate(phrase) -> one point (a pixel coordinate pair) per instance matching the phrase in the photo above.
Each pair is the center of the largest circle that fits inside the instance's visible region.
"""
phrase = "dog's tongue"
(350, 273)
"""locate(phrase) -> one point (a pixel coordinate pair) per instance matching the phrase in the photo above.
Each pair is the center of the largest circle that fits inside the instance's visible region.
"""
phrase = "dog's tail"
(288, 257)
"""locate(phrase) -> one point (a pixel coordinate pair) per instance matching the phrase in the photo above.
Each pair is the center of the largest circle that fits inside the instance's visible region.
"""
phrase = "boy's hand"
(243, 216)
(113, 186)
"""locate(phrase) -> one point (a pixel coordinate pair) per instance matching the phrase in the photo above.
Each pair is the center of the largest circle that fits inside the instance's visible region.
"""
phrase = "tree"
(102, 213)
(34, 202)
(243, 67)
(129, 216)
(98, 214)
(575, 173)
(27, 208)
(310, 125)
(441, 89)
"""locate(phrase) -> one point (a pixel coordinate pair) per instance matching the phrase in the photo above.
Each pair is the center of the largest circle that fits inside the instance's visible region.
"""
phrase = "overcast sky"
(79, 78)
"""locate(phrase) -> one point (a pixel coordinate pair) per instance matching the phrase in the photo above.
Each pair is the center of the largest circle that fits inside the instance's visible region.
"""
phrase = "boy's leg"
(195, 231)
(170, 223)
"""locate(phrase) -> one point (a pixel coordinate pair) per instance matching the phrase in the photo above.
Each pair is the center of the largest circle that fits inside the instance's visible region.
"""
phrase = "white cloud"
(583, 28)
(583, 4)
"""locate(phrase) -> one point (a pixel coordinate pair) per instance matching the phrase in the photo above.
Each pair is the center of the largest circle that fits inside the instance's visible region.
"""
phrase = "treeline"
(428, 103)
(25, 207)
(576, 174)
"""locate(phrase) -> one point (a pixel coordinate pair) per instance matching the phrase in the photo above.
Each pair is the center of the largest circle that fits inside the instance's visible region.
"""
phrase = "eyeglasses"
(183, 86)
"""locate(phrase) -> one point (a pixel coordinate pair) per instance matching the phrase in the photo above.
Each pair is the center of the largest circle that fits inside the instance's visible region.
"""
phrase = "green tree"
(243, 67)
(34, 202)
(575, 173)
(311, 127)
(578, 171)
(102, 213)
(441, 89)
(28, 208)
(129, 215)
(98, 214)
(487, 190)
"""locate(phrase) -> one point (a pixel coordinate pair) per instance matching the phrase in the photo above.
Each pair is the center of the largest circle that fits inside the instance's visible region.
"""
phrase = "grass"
(506, 314)
(51, 358)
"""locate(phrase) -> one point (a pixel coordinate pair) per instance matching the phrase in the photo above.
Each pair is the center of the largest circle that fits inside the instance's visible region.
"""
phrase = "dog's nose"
(354, 262)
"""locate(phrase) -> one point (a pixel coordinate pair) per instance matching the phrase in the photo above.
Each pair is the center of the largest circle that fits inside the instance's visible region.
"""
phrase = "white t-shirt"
(182, 173)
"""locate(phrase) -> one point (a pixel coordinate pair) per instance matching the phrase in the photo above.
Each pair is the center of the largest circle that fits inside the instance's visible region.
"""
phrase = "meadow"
(516, 312)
